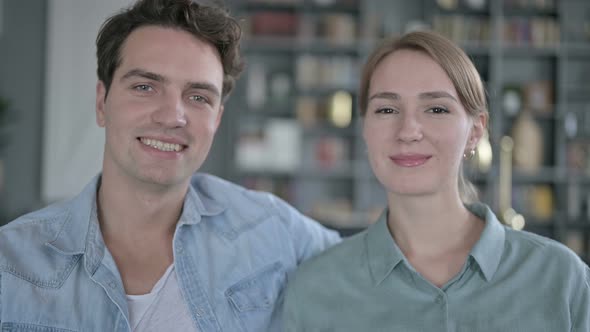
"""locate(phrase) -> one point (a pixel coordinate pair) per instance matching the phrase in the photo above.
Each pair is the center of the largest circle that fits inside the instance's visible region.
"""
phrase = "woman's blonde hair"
(454, 62)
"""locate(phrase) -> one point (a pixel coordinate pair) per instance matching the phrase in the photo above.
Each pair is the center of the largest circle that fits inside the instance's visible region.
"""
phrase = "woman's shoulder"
(548, 251)
(345, 258)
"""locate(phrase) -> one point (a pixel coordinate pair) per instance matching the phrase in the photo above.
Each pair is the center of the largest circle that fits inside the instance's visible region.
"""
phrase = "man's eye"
(198, 98)
(143, 87)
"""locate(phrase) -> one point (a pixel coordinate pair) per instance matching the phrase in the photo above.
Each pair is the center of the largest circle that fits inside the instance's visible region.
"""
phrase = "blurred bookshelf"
(5, 135)
(298, 133)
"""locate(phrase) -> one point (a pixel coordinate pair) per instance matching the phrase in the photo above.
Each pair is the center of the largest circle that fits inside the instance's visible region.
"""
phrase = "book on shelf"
(273, 23)
(313, 71)
(339, 29)
(536, 32)
(463, 29)
(530, 4)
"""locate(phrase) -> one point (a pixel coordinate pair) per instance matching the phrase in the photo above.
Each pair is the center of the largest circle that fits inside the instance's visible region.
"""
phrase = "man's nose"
(171, 112)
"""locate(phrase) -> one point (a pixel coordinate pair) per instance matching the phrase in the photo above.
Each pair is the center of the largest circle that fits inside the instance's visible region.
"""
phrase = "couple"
(149, 246)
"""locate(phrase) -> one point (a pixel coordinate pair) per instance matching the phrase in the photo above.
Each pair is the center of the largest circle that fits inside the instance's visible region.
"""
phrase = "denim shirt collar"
(196, 205)
(80, 231)
(384, 254)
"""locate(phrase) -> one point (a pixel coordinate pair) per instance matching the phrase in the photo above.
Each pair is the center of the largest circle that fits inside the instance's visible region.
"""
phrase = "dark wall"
(22, 72)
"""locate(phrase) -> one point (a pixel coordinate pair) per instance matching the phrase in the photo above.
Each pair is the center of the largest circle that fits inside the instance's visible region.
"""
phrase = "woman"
(436, 260)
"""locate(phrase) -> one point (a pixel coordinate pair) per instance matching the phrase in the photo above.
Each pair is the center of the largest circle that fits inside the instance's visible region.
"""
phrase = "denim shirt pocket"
(253, 298)
(25, 327)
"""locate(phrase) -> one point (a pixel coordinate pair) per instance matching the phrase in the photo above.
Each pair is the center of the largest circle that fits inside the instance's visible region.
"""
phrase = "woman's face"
(415, 127)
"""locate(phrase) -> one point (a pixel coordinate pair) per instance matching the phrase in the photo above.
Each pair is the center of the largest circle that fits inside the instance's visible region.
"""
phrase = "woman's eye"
(438, 110)
(385, 110)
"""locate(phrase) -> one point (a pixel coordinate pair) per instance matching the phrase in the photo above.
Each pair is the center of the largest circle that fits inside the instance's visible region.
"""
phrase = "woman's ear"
(478, 128)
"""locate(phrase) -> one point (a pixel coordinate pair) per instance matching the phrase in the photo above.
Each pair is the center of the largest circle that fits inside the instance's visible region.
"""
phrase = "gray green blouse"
(511, 281)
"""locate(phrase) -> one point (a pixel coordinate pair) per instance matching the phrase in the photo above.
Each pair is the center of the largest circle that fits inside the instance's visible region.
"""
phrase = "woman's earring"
(469, 155)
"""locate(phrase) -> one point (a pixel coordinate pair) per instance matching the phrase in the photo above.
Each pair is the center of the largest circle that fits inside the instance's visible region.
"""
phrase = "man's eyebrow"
(204, 86)
(144, 74)
(436, 95)
(385, 95)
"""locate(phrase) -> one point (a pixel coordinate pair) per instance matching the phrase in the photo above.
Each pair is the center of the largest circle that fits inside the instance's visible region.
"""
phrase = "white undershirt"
(162, 309)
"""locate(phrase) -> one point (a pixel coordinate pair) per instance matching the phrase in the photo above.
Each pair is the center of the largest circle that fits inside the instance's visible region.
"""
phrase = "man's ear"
(478, 128)
(219, 116)
(100, 103)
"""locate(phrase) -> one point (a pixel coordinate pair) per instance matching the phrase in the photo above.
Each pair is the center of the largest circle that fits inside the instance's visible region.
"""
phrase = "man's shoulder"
(24, 241)
(35, 224)
(231, 194)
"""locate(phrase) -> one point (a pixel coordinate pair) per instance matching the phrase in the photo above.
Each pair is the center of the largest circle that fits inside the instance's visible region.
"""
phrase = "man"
(147, 246)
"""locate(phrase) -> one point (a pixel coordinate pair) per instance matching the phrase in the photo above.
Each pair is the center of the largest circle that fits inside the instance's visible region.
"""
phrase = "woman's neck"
(431, 225)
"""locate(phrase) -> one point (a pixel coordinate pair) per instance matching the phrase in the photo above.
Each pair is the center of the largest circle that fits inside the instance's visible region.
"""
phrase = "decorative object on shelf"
(331, 153)
(528, 143)
(476, 4)
(512, 100)
(484, 156)
(340, 109)
(416, 25)
(575, 241)
(447, 4)
(256, 87)
(509, 216)
(570, 125)
(275, 147)
(538, 96)
(280, 87)
(541, 202)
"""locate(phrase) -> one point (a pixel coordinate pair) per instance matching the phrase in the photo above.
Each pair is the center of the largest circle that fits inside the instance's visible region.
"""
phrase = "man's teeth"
(161, 145)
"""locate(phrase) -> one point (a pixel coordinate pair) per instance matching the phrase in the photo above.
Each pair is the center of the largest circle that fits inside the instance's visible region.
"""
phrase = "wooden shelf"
(295, 45)
(299, 7)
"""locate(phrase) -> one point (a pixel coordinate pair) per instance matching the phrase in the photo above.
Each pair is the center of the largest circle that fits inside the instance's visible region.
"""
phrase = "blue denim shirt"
(233, 251)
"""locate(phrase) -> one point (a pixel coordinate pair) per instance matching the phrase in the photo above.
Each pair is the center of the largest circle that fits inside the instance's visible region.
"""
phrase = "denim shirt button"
(179, 249)
(112, 284)
(199, 313)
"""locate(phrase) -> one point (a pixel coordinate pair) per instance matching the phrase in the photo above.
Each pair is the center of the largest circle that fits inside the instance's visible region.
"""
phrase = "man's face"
(162, 109)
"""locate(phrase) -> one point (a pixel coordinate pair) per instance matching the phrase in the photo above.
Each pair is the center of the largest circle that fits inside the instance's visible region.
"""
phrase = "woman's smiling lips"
(409, 159)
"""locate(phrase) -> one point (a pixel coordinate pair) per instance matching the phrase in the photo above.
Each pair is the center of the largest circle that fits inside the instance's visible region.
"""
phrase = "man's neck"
(127, 209)
(138, 226)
